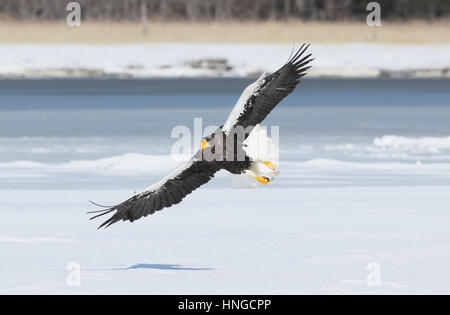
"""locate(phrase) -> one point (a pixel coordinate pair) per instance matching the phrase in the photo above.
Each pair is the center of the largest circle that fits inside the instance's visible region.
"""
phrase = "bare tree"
(132, 10)
(144, 17)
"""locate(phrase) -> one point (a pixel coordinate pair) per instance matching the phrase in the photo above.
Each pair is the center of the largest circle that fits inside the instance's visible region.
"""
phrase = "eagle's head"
(210, 140)
(205, 143)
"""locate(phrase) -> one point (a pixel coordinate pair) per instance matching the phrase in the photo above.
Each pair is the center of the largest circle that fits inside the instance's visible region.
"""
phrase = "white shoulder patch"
(240, 104)
(174, 173)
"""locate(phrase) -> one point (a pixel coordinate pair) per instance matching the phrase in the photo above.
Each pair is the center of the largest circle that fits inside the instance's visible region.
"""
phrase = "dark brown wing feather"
(274, 88)
(168, 194)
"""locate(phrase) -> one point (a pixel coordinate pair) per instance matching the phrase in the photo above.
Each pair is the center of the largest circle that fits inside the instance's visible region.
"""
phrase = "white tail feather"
(259, 147)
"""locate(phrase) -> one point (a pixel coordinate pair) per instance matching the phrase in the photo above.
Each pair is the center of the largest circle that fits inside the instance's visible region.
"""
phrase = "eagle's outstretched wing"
(261, 97)
(170, 190)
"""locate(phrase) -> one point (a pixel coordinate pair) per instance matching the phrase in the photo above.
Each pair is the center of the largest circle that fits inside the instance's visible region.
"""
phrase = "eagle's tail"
(264, 153)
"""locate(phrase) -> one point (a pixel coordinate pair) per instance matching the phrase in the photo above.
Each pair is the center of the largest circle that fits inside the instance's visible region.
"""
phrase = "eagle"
(226, 149)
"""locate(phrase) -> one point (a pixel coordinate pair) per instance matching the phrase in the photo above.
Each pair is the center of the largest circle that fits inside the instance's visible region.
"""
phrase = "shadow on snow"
(164, 267)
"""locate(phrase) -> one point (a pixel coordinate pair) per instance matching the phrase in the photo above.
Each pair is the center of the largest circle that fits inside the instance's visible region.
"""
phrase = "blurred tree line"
(132, 10)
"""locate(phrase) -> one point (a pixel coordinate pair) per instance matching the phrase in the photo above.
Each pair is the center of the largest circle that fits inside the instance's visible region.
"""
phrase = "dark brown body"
(232, 158)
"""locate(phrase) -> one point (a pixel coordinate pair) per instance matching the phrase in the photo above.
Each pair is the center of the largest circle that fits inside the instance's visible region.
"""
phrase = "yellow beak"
(204, 144)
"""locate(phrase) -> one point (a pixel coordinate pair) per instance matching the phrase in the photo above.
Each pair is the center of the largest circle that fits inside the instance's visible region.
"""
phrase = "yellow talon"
(270, 165)
(262, 179)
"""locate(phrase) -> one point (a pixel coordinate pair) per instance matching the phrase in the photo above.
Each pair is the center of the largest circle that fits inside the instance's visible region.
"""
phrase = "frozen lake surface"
(262, 241)
(365, 179)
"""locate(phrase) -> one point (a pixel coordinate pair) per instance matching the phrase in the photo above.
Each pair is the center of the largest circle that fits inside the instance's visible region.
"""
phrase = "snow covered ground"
(320, 227)
(219, 60)
(264, 241)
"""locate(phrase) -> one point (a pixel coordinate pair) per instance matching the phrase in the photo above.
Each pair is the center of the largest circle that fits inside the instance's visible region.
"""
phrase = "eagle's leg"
(262, 179)
(270, 165)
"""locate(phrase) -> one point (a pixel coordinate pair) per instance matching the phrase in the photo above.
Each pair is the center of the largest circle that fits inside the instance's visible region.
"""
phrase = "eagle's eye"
(205, 144)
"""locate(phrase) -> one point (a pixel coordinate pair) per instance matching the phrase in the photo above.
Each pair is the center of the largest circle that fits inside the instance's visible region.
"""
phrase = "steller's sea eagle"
(224, 149)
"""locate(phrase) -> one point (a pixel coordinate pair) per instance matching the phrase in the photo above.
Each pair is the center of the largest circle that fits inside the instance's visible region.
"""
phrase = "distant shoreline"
(189, 60)
(277, 32)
